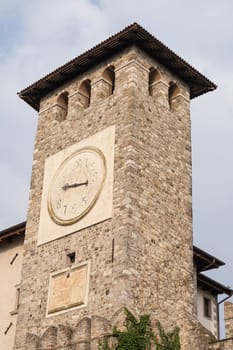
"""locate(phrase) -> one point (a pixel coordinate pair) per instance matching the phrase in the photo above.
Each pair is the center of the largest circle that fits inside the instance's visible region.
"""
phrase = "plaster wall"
(10, 279)
(208, 322)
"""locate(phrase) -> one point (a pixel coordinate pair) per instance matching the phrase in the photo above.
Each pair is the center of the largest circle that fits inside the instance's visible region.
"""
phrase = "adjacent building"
(11, 254)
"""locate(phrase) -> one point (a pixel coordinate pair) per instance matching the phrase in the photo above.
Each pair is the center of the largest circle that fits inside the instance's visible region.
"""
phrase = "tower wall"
(140, 258)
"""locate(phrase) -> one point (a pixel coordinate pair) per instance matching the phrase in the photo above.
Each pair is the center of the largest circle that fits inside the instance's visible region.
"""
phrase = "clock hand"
(77, 184)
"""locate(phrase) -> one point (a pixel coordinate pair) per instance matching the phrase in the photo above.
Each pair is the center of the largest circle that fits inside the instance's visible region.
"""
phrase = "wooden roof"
(131, 35)
(15, 230)
(213, 286)
(205, 261)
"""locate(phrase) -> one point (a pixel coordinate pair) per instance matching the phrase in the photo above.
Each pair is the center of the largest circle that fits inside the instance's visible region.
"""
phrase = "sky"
(38, 36)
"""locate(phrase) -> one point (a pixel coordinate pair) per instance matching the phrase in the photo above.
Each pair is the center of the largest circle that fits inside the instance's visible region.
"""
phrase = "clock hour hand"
(77, 184)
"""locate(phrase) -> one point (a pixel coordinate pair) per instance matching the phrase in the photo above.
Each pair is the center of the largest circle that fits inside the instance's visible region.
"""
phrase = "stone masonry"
(141, 258)
(227, 343)
(228, 317)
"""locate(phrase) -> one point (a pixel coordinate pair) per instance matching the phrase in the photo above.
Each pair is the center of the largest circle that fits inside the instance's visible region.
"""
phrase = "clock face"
(76, 185)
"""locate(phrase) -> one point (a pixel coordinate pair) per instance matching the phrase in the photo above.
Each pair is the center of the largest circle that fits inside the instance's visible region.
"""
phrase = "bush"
(167, 340)
(140, 336)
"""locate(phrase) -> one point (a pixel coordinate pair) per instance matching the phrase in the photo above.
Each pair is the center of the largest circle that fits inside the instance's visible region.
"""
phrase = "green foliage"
(167, 340)
(138, 333)
(104, 345)
(139, 336)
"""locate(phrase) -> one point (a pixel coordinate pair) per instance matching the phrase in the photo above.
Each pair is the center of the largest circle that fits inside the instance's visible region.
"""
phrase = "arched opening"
(109, 76)
(62, 103)
(154, 76)
(62, 100)
(173, 91)
(85, 90)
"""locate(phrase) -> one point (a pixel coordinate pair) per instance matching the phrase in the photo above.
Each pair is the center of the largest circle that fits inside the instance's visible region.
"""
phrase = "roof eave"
(214, 286)
(131, 35)
(11, 231)
(206, 260)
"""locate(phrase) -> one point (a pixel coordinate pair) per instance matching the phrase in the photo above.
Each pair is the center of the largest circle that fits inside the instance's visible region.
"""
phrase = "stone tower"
(109, 221)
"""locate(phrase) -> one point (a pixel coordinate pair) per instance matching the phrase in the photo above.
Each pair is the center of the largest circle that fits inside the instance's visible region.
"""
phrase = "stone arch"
(154, 78)
(173, 91)
(109, 77)
(100, 327)
(85, 91)
(49, 338)
(62, 106)
(64, 335)
(82, 334)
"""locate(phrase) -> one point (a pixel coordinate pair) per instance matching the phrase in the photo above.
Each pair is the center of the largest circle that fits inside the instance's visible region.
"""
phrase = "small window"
(85, 90)
(172, 92)
(207, 307)
(62, 103)
(154, 76)
(109, 76)
(71, 258)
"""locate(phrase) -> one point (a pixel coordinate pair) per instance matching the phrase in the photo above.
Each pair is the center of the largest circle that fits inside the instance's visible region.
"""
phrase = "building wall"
(211, 323)
(10, 272)
(228, 317)
(150, 269)
(227, 343)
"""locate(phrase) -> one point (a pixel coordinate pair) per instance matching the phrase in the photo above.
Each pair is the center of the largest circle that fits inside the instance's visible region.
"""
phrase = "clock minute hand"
(77, 184)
